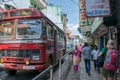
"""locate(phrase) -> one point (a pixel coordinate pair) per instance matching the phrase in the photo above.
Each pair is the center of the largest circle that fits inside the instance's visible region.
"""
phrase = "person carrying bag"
(110, 64)
(76, 58)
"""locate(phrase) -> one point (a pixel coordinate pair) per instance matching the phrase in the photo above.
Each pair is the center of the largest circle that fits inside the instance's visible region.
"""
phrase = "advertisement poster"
(82, 4)
(83, 18)
(97, 8)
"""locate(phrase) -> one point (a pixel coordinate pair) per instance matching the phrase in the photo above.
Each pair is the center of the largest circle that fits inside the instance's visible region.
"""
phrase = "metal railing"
(43, 73)
(63, 67)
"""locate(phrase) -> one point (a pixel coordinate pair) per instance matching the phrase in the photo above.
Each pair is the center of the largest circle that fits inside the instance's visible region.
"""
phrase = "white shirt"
(95, 54)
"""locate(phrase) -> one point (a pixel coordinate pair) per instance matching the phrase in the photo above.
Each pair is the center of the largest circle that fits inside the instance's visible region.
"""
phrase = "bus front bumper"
(22, 66)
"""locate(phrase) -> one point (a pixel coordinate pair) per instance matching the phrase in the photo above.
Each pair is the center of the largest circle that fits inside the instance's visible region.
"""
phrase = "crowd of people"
(105, 61)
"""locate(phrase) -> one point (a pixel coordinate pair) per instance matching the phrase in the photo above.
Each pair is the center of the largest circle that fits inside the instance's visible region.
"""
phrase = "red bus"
(29, 40)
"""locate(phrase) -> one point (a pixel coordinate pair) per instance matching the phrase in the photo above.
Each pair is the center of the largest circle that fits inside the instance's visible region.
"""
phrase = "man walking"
(86, 53)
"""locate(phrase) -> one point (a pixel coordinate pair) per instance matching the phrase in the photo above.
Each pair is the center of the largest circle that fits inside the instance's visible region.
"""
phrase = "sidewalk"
(81, 73)
(73, 76)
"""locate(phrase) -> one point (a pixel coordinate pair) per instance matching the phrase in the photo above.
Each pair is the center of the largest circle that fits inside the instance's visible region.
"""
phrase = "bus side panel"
(55, 47)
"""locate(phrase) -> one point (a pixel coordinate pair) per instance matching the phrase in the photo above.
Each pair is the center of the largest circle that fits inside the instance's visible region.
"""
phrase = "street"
(18, 76)
(44, 39)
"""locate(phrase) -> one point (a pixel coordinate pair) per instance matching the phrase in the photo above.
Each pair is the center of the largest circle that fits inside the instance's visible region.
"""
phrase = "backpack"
(100, 61)
(111, 60)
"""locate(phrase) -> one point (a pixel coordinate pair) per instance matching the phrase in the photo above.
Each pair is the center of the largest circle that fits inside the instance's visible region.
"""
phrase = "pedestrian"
(95, 56)
(101, 56)
(76, 58)
(110, 62)
(87, 54)
(80, 49)
(91, 49)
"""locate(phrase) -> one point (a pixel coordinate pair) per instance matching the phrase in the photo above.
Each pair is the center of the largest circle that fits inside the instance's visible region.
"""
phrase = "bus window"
(44, 36)
(21, 13)
(29, 28)
(61, 37)
(4, 15)
(6, 28)
(57, 36)
(50, 32)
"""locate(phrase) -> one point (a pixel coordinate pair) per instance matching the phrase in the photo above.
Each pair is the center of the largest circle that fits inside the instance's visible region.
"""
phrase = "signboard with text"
(97, 8)
(83, 18)
(82, 4)
(84, 21)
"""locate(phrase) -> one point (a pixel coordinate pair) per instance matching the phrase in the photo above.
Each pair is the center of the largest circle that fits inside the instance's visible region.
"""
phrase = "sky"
(69, 7)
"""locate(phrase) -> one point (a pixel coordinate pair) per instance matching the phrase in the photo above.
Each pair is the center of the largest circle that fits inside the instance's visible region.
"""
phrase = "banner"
(82, 4)
(83, 18)
(84, 21)
(97, 8)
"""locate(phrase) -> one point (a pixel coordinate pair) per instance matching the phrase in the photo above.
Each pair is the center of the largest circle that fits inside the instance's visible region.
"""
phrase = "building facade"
(11, 4)
(109, 28)
(54, 14)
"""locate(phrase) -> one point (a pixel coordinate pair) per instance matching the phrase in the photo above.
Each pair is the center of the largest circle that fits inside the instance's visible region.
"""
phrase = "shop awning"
(101, 30)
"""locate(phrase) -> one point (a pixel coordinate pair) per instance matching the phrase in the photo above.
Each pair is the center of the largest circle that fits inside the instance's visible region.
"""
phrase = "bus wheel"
(10, 72)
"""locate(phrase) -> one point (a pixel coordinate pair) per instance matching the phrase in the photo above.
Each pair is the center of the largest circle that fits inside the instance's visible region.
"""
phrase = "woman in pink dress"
(80, 48)
(76, 58)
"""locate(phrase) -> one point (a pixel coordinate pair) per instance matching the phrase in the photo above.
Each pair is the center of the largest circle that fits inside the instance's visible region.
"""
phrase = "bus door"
(55, 47)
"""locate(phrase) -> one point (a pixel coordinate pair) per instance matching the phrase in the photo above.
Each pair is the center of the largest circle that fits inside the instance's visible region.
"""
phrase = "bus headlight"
(35, 57)
(1, 60)
(27, 62)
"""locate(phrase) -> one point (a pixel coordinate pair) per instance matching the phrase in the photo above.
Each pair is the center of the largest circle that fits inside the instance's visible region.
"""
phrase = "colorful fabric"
(75, 68)
(80, 48)
(76, 53)
(111, 60)
(76, 59)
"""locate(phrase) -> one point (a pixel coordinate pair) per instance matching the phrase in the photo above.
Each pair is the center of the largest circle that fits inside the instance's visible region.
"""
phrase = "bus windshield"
(29, 28)
(6, 29)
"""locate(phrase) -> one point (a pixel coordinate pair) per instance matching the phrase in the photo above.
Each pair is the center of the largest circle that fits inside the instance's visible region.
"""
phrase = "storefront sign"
(83, 19)
(82, 4)
(97, 7)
